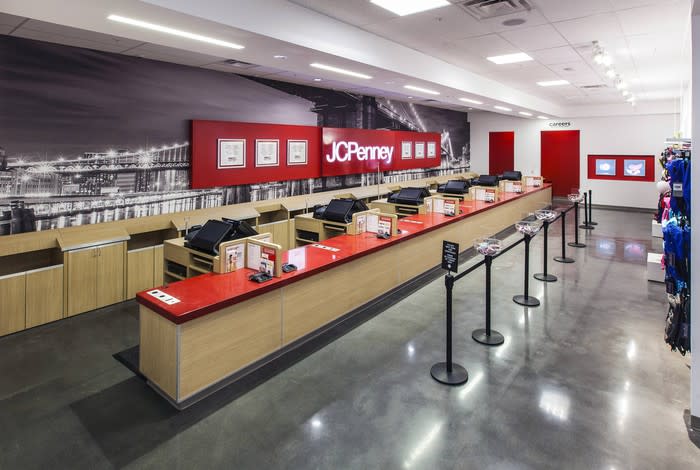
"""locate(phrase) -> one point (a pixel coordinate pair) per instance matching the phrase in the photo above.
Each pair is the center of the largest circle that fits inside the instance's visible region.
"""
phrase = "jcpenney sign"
(347, 151)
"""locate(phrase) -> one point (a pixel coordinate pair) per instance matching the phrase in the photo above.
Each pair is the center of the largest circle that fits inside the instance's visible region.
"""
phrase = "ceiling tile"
(10, 20)
(666, 17)
(532, 39)
(585, 30)
(487, 46)
(558, 10)
(625, 4)
(355, 12)
(532, 18)
(555, 55)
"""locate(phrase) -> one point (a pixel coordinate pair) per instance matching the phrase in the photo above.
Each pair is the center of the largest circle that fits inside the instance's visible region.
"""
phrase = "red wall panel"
(560, 160)
(649, 174)
(205, 135)
(501, 152)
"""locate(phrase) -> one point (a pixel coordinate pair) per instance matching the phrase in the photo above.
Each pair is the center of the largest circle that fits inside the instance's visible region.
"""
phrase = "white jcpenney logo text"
(345, 151)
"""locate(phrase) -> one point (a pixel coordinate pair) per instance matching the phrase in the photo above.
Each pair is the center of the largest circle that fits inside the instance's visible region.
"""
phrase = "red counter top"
(211, 292)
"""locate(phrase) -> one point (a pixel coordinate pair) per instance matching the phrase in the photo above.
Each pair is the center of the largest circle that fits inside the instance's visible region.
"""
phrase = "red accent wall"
(560, 160)
(205, 135)
(501, 152)
(620, 167)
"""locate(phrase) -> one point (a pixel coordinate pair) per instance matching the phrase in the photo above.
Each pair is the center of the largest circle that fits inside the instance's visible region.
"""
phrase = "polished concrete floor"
(584, 381)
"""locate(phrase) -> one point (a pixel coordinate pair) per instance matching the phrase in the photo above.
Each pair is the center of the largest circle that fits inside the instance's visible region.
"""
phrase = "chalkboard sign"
(450, 256)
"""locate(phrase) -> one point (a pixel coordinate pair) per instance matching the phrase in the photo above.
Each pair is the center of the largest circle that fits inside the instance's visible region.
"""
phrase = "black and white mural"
(89, 137)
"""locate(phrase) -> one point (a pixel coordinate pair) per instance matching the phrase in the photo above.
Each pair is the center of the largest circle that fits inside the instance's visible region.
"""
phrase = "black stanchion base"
(592, 223)
(545, 277)
(494, 339)
(577, 245)
(586, 227)
(560, 259)
(458, 376)
(526, 301)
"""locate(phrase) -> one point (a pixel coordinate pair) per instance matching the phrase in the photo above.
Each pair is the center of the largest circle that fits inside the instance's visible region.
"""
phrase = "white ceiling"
(442, 49)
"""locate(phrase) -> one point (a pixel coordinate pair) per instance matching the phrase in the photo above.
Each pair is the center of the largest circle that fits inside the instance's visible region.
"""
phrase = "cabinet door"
(12, 303)
(139, 273)
(110, 274)
(158, 266)
(44, 295)
(81, 287)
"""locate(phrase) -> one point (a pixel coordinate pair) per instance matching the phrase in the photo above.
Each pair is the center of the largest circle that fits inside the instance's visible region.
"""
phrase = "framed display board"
(406, 150)
(420, 149)
(432, 150)
(267, 152)
(231, 153)
(297, 152)
(621, 167)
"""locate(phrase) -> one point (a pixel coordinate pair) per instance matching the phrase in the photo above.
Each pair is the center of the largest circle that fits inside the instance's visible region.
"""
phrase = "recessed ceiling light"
(524, 113)
(625, 92)
(621, 85)
(467, 100)
(502, 108)
(410, 97)
(542, 117)
(317, 79)
(176, 32)
(610, 73)
(509, 58)
(279, 56)
(408, 7)
(422, 90)
(553, 83)
(330, 68)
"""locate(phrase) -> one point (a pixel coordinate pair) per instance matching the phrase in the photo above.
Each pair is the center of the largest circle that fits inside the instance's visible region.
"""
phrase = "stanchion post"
(545, 276)
(447, 372)
(486, 335)
(586, 209)
(590, 208)
(576, 243)
(525, 299)
(563, 258)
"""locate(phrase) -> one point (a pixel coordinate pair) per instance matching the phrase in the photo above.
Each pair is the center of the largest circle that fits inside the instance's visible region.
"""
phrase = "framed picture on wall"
(297, 152)
(267, 152)
(432, 150)
(635, 168)
(605, 167)
(406, 150)
(420, 149)
(231, 153)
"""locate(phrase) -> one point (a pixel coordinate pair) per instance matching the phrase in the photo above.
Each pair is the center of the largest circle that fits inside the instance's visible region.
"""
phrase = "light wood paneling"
(317, 300)
(12, 296)
(158, 265)
(140, 271)
(217, 345)
(44, 296)
(110, 274)
(81, 289)
(158, 350)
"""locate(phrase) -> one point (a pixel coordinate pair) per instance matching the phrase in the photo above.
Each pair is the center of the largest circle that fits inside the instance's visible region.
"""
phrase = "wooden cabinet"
(94, 277)
(140, 270)
(44, 295)
(157, 265)
(12, 306)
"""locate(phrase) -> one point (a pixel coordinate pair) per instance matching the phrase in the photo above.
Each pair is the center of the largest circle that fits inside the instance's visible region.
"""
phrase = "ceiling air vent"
(239, 64)
(484, 9)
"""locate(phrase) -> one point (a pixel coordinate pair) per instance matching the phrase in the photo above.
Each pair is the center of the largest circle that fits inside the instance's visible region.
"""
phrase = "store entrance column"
(560, 160)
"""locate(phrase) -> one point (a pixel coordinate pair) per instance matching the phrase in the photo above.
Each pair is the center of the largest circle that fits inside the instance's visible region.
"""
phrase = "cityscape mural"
(89, 137)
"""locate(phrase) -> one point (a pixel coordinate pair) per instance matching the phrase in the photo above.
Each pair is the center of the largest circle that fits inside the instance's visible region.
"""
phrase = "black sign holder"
(525, 299)
(576, 243)
(545, 276)
(563, 258)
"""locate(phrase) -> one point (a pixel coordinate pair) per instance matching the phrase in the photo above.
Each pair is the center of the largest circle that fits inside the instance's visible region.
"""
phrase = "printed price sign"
(450, 256)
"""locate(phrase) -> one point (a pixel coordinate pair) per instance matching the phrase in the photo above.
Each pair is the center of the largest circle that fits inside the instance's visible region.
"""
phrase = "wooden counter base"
(186, 362)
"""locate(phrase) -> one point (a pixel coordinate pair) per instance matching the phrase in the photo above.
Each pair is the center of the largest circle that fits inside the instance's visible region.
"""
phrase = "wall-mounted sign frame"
(406, 150)
(621, 167)
(297, 152)
(230, 153)
(420, 149)
(432, 150)
(267, 152)
(634, 168)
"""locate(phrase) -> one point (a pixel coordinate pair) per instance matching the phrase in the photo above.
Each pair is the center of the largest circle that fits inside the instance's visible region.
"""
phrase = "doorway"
(560, 160)
(501, 152)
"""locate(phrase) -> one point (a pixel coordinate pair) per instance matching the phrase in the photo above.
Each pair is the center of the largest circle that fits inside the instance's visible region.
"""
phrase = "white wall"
(618, 135)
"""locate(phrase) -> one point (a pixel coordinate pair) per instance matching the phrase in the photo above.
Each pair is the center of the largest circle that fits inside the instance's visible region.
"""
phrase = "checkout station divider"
(223, 326)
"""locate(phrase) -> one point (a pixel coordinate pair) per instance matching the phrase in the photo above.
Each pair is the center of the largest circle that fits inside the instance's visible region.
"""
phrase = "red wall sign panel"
(501, 152)
(350, 151)
(205, 137)
(636, 171)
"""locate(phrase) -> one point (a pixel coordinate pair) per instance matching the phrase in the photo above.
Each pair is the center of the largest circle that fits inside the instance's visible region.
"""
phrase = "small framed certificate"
(231, 153)
(406, 150)
(420, 149)
(297, 152)
(267, 152)
(432, 150)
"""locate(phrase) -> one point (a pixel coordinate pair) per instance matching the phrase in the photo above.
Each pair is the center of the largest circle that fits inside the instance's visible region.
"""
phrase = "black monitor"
(241, 229)
(456, 187)
(341, 210)
(208, 238)
(512, 175)
(487, 180)
(411, 196)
